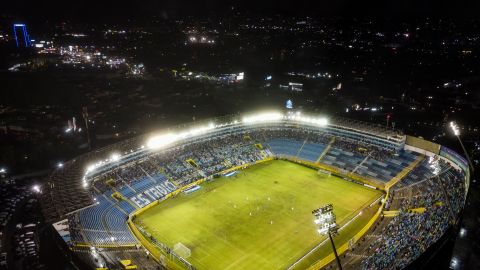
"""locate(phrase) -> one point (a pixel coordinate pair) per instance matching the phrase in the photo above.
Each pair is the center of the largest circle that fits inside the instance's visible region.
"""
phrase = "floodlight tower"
(85, 118)
(456, 132)
(327, 225)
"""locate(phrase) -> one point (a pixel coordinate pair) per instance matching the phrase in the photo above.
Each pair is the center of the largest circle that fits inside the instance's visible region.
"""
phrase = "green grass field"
(259, 219)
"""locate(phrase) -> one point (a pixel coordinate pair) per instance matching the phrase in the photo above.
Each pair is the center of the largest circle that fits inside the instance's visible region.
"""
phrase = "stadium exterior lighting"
(456, 132)
(326, 221)
(60, 165)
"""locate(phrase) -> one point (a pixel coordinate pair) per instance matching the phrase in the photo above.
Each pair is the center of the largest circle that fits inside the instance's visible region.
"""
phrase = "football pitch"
(261, 218)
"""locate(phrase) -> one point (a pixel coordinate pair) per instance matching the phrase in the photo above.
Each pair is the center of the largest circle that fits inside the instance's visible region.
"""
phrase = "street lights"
(327, 225)
(456, 132)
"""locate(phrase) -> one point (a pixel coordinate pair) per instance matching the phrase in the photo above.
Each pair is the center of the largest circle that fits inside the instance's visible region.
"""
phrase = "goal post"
(182, 250)
(324, 172)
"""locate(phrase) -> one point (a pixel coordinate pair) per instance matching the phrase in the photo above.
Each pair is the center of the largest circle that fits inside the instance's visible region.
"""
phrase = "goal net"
(324, 172)
(181, 250)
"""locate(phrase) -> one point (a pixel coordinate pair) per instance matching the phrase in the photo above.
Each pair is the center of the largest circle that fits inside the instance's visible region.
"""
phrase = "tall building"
(21, 36)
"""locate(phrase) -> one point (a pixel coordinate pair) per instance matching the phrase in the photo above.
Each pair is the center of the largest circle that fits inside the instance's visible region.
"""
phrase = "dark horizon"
(93, 11)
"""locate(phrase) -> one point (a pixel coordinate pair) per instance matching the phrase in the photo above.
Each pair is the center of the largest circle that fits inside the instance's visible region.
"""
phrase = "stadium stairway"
(404, 172)
(118, 196)
(343, 159)
(311, 151)
(360, 164)
(326, 150)
(301, 147)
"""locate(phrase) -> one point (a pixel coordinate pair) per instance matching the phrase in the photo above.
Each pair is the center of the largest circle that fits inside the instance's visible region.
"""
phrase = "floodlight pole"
(456, 132)
(325, 218)
(465, 151)
(335, 251)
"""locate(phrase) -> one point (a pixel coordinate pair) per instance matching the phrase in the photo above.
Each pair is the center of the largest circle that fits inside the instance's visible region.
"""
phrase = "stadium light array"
(325, 219)
(456, 132)
(454, 128)
(318, 121)
(262, 117)
(327, 225)
(115, 157)
(160, 141)
(36, 189)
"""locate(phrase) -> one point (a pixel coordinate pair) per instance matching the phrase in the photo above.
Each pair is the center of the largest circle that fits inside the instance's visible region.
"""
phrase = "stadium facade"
(92, 201)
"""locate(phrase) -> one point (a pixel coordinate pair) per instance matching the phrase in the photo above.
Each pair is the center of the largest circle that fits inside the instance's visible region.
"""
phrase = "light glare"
(263, 117)
(157, 142)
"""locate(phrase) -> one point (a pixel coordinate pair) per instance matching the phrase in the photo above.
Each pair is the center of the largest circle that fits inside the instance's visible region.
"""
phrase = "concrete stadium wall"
(422, 144)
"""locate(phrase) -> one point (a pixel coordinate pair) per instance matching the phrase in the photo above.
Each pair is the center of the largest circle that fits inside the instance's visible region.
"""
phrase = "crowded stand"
(439, 194)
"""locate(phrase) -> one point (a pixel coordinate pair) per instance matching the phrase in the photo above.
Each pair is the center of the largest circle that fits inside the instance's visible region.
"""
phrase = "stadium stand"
(97, 215)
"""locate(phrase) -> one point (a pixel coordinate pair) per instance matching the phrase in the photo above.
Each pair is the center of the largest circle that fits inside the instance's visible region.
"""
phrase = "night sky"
(89, 10)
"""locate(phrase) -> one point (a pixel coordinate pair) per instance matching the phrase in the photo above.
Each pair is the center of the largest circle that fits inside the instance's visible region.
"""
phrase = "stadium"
(237, 192)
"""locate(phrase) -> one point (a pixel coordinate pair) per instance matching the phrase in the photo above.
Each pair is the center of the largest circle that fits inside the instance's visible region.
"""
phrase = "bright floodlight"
(157, 142)
(115, 157)
(322, 121)
(36, 189)
(263, 117)
(60, 165)
(327, 225)
(325, 219)
(454, 128)
(3, 170)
